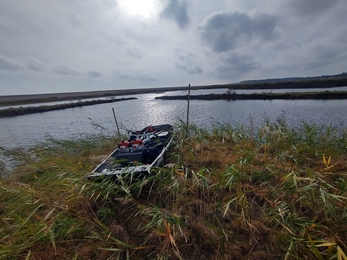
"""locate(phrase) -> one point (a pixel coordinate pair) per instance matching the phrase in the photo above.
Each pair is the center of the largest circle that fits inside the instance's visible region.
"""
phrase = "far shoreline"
(325, 95)
(10, 100)
(19, 111)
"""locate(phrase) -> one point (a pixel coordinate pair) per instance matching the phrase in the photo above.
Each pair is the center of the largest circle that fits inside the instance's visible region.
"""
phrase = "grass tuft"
(229, 193)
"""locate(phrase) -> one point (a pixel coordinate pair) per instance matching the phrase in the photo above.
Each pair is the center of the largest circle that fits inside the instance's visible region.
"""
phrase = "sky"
(53, 46)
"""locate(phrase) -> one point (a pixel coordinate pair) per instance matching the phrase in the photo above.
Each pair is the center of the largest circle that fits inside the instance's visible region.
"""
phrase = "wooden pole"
(115, 119)
(188, 108)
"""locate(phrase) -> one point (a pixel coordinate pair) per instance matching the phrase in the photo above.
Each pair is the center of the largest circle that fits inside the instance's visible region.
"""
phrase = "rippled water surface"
(135, 114)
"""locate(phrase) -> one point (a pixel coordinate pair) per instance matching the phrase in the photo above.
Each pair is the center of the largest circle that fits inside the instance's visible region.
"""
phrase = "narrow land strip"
(10, 112)
(263, 96)
(300, 83)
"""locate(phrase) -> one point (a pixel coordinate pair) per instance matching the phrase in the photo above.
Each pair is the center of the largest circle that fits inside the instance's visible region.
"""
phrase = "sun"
(140, 8)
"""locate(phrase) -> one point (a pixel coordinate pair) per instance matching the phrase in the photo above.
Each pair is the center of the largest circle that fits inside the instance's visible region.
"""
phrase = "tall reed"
(229, 193)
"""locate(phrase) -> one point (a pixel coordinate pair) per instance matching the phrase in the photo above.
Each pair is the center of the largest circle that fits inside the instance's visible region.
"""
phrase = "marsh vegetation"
(232, 95)
(18, 111)
(229, 193)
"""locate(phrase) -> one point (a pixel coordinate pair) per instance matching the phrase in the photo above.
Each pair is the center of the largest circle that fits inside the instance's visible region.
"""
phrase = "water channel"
(26, 130)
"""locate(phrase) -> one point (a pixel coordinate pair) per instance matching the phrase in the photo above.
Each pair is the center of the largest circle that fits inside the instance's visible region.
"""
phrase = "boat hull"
(133, 162)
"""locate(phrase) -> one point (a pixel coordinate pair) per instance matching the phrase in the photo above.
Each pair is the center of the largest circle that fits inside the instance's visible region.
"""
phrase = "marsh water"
(26, 130)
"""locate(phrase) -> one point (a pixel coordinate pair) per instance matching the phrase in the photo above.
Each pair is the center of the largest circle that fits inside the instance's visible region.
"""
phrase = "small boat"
(134, 158)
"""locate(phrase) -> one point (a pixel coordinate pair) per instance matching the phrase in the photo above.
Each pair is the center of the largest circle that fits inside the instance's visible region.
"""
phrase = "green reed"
(230, 193)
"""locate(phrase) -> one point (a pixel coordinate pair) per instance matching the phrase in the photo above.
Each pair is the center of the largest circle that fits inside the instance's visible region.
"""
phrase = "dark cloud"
(195, 70)
(186, 63)
(176, 11)
(223, 31)
(93, 74)
(324, 55)
(134, 52)
(264, 26)
(184, 55)
(44, 42)
(9, 64)
(136, 76)
(64, 70)
(35, 65)
(307, 7)
(235, 64)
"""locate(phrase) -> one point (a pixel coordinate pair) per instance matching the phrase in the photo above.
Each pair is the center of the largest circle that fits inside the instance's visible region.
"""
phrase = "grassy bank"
(262, 96)
(232, 193)
(10, 112)
(327, 81)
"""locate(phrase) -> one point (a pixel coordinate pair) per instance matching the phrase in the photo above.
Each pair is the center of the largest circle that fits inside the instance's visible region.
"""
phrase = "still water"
(22, 131)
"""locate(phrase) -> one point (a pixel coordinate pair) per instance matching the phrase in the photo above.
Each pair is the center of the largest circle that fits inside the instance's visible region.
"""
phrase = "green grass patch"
(230, 193)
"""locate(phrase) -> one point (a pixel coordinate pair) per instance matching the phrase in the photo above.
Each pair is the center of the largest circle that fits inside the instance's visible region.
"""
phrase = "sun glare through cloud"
(153, 43)
(140, 8)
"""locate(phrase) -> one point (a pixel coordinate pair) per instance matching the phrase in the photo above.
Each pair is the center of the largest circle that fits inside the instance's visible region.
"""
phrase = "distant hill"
(338, 76)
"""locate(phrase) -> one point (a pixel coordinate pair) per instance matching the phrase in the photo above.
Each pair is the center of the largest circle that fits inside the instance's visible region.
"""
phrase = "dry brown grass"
(228, 196)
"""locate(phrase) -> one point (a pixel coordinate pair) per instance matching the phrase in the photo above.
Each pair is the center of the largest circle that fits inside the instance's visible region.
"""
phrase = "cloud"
(200, 41)
(136, 76)
(224, 31)
(186, 62)
(176, 11)
(134, 52)
(322, 55)
(94, 74)
(235, 64)
(195, 70)
(30, 65)
(35, 65)
(64, 70)
(9, 64)
(308, 7)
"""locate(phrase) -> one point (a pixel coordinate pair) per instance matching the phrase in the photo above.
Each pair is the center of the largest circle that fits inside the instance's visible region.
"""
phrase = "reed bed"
(229, 193)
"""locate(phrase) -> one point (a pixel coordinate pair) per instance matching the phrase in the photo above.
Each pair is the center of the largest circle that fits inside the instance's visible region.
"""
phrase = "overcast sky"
(80, 45)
